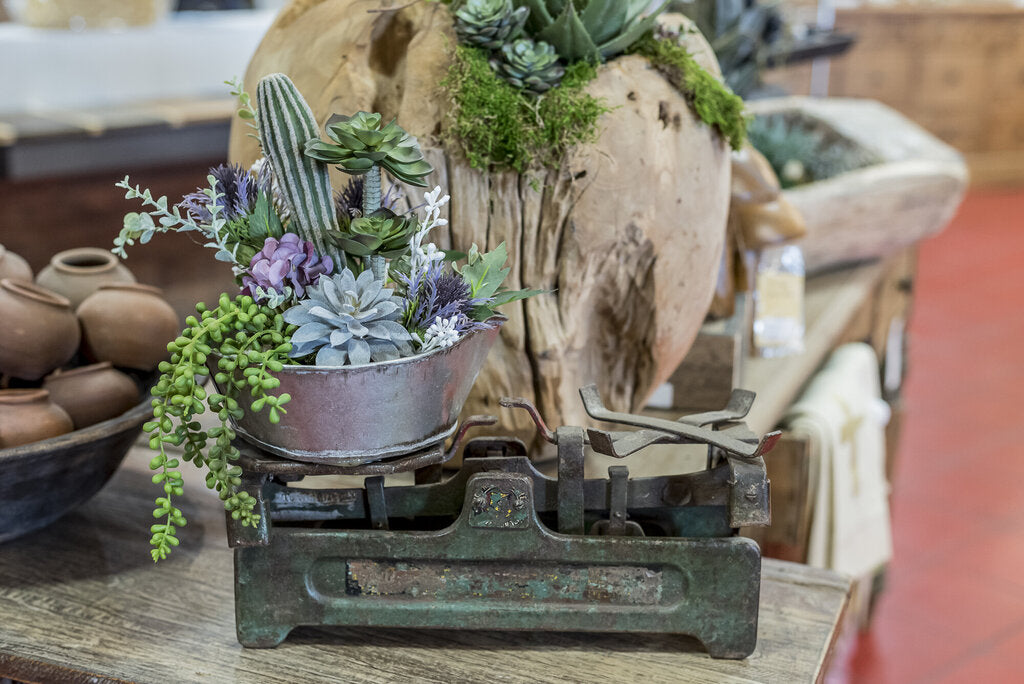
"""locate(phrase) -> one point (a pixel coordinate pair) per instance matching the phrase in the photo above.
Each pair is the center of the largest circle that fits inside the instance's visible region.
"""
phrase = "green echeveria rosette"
(489, 23)
(382, 233)
(534, 67)
(360, 143)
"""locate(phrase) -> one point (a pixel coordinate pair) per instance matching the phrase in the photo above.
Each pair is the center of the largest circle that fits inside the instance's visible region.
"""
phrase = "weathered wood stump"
(627, 234)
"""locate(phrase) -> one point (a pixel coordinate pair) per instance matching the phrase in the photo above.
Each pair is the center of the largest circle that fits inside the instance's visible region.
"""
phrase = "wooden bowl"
(42, 481)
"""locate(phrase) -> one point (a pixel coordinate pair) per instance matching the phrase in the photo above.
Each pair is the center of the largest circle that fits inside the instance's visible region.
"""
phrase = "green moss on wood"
(712, 101)
(497, 125)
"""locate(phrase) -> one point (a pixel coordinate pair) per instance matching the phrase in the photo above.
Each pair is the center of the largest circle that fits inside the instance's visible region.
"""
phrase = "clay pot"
(92, 394)
(39, 330)
(77, 273)
(13, 266)
(128, 325)
(28, 415)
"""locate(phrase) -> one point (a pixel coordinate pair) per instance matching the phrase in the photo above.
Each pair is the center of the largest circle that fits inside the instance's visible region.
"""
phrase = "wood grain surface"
(82, 601)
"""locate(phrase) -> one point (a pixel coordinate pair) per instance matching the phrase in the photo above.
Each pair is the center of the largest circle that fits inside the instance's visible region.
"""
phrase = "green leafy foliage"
(712, 101)
(495, 124)
(246, 112)
(484, 272)
(250, 343)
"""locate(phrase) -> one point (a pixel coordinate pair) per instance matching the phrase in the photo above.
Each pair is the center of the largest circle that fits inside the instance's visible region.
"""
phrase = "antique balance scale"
(498, 545)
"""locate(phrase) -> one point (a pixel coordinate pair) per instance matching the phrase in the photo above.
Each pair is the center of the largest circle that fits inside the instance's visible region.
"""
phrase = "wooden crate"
(957, 70)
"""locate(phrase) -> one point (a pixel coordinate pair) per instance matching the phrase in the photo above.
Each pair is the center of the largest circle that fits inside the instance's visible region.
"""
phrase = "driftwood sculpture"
(627, 235)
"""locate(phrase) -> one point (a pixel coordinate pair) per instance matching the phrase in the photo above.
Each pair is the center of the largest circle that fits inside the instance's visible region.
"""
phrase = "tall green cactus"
(285, 124)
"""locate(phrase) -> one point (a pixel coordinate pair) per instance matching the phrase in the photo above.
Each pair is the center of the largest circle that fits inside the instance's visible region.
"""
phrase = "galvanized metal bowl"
(351, 415)
(41, 481)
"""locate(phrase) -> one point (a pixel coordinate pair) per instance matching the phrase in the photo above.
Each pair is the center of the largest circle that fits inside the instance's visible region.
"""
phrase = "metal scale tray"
(500, 546)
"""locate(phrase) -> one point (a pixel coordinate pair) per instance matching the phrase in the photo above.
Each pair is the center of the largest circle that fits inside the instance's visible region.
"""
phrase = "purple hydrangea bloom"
(288, 262)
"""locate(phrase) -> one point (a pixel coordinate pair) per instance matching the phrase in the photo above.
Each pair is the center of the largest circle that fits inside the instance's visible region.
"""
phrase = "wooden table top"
(82, 601)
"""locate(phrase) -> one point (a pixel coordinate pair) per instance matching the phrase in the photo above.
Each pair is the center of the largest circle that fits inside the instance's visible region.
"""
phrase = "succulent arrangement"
(591, 29)
(529, 107)
(330, 280)
(800, 153)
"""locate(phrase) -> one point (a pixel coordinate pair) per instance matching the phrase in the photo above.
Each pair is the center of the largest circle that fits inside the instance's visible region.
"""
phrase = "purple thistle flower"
(438, 293)
(238, 191)
(289, 262)
(349, 200)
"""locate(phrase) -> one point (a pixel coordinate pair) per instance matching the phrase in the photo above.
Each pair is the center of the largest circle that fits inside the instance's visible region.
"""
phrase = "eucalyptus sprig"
(141, 226)
(252, 342)
(246, 112)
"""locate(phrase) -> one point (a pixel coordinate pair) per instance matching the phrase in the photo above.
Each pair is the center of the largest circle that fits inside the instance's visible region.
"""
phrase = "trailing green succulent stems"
(712, 101)
(489, 24)
(593, 30)
(285, 124)
(250, 343)
(495, 124)
(534, 67)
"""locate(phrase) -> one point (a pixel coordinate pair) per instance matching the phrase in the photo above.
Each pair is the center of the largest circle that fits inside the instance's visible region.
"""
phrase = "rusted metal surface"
(707, 588)
(628, 585)
(360, 414)
(499, 545)
(255, 460)
(571, 496)
(658, 431)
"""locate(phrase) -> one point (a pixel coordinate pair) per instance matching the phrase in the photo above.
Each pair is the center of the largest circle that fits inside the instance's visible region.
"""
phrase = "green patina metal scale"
(499, 545)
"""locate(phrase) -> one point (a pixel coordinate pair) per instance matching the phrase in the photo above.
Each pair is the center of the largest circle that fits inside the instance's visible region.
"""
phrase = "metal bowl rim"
(494, 321)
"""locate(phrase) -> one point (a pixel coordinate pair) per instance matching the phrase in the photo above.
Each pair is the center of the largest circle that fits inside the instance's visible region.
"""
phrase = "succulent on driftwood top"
(489, 23)
(592, 29)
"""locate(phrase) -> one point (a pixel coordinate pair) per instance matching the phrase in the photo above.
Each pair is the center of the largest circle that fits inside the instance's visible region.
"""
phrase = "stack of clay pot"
(83, 308)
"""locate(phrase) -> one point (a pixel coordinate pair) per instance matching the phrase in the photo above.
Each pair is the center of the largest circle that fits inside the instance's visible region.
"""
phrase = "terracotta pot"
(39, 330)
(28, 415)
(13, 266)
(77, 273)
(128, 325)
(92, 394)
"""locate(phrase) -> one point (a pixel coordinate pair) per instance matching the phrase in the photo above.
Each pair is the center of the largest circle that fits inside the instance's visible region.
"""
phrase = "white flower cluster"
(442, 333)
(423, 255)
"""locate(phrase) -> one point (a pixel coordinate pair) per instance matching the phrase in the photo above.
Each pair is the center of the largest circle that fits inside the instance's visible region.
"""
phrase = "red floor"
(954, 607)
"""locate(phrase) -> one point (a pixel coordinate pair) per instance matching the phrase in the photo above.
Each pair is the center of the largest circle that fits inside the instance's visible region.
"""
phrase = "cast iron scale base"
(498, 545)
